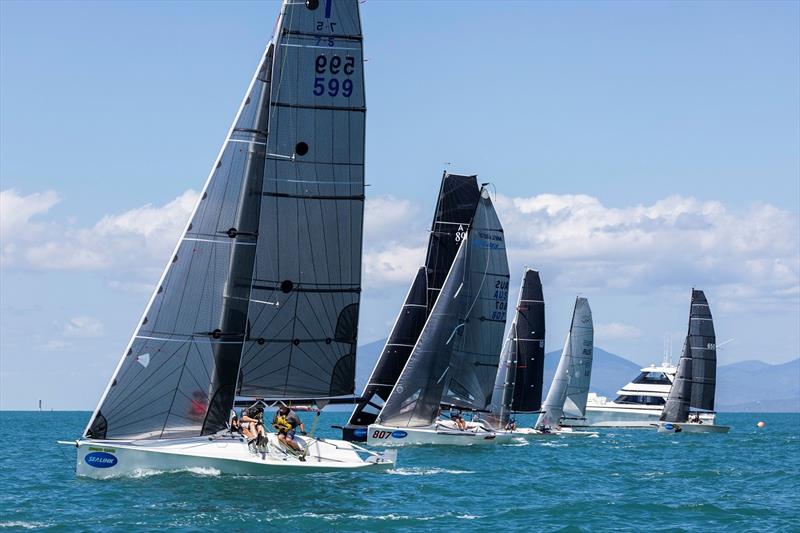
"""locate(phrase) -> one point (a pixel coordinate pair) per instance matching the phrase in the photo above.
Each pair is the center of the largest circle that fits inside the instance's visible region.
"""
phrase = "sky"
(637, 150)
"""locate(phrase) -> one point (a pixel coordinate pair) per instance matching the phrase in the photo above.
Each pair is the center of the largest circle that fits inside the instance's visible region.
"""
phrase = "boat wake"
(141, 473)
(425, 471)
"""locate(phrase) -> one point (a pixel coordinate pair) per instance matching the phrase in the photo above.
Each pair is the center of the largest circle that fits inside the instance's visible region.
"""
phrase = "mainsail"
(455, 207)
(261, 295)
(475, 356)
(568, 392)
(450, 340)
(518, 384)
(695, 381)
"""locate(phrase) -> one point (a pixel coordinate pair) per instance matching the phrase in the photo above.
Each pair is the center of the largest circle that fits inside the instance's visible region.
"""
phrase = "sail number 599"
(334, 66)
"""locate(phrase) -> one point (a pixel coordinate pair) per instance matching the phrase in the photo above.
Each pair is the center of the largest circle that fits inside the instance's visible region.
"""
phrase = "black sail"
(702, 343)
(676, 408)
(455, 207)
(529, 340)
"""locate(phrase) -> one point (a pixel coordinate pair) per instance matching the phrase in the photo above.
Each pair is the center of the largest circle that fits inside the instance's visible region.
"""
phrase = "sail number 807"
(334, 66)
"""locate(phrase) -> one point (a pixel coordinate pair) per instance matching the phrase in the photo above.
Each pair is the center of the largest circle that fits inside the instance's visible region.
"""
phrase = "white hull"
(226, 454)
(563, 432)
(441, 433)
(690, 427)
(624, 415)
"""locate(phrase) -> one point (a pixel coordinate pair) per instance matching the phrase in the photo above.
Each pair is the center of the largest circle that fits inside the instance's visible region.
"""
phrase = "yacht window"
(640, 400)
(653, 378)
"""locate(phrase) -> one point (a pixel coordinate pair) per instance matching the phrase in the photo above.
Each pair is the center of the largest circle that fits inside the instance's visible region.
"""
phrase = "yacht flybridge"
(261, 297)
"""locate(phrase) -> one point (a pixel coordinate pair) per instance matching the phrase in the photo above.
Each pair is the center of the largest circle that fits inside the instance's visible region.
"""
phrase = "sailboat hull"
(221, 454)
(563, 432)
(690, 427)
(437, 434)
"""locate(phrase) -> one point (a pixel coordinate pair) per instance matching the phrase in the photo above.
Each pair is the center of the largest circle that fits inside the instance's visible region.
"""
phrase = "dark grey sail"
(676, 408)
(180, 371)
(476, 352)
(702, 343)
(518, 384)
(455, 207)
(304, 306)
(695, 381)
(451, 337)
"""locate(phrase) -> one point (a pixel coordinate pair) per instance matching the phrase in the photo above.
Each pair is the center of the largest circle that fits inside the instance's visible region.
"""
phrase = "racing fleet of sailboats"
(259, 302)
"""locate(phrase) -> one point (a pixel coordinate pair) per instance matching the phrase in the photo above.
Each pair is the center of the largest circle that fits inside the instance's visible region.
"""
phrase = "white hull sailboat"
(454, 358)
(441, 433)
(260, 298)
(226, 454)
(694, 388)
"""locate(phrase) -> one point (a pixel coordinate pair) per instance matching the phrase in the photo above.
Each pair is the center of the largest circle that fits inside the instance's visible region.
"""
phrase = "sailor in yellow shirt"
(285, 422)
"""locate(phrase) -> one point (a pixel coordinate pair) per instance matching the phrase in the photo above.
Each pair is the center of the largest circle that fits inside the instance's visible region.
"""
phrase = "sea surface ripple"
(623, 480)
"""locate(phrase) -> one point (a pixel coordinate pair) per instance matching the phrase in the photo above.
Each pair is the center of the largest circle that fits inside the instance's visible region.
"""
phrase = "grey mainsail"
(475, 355)
(283, 202)
(518, 384)
(695, 381)
(455, 207)
(453, 328)
(570, 388)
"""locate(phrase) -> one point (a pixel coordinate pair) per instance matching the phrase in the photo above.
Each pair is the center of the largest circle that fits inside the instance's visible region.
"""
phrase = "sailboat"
(455, 207)
(518, 383)
(261, 297)
(696, 380)
(566, 398)
(455, 358)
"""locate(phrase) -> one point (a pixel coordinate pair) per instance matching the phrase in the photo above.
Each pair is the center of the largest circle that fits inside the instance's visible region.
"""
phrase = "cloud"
(579, 243)
(83, 327)
(750, 257)
(616, 331)
(137, 241)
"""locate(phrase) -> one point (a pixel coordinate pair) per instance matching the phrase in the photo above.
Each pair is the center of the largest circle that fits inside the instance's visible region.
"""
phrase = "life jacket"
(283, 423)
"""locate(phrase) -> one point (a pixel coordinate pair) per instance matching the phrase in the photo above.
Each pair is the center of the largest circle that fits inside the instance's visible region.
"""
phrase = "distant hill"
(748, 386)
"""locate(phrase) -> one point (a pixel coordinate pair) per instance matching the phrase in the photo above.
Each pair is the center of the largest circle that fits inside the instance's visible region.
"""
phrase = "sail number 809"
(334, 66)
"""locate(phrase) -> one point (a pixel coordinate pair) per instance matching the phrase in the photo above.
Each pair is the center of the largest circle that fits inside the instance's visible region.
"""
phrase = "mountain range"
(747, 386)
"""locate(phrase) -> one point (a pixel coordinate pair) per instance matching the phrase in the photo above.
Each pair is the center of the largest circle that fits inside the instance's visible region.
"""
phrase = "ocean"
(623, 480)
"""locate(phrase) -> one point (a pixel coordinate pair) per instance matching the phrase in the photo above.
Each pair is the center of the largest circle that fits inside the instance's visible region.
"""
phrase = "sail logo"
(100, 460)
(460, 233)
(399, 434)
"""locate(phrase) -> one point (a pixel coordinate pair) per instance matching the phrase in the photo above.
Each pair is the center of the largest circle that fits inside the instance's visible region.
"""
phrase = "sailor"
(511, 425)
(455, 416)
(252, 420)
(285, 422)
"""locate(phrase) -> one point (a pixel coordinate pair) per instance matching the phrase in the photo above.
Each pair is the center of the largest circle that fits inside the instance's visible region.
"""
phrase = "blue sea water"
(623, 480)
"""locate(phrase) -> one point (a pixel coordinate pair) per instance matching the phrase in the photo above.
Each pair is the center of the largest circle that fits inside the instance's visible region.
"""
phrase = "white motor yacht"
(637, 405)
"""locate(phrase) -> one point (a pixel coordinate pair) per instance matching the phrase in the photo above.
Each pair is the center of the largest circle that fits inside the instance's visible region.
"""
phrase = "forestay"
(455, 207)
(270, 261)
(568, 392)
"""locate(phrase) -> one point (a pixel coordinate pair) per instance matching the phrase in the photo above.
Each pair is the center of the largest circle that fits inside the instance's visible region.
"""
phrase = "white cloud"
(616, 331)
(135, 241)
(749, 256)
(678, 241)
(83, 327)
